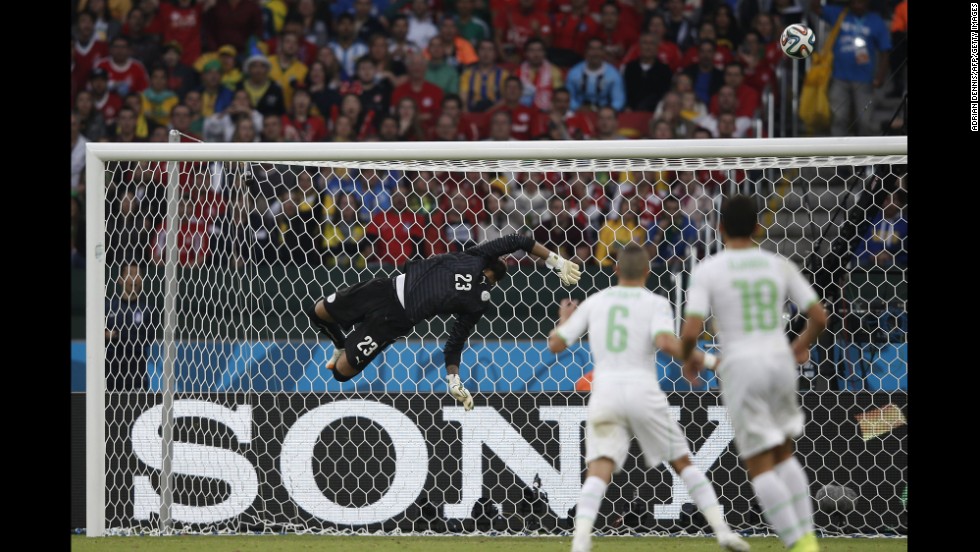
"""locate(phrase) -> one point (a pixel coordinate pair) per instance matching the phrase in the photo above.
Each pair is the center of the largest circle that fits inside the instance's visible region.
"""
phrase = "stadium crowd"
(390, 70)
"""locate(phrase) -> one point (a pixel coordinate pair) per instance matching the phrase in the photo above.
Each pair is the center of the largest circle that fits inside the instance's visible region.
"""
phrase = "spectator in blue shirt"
(672, 236)
(860, 64)
(706, 78)
(594, 83)
(883, 244)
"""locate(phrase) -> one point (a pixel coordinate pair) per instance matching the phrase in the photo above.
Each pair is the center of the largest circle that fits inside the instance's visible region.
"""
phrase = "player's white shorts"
(760, 393)
(622, 408)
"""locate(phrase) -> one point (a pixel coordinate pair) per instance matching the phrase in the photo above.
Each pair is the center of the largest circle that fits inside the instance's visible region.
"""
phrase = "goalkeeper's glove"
(459, 392)
(568, 272)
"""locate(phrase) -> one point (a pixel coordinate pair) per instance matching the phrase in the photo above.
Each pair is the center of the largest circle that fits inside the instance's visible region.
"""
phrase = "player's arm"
(816, 323)
(560, 336)
(453, 351)
(568, 272)
(573, 321)
(697, 307)
(801, 293)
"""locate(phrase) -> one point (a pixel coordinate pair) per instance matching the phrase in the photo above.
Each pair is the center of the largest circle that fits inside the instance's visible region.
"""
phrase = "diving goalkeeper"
(382, 310)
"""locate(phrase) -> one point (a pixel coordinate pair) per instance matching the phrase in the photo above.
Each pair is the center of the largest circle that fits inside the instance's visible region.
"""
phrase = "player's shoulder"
(710, 264)
(654, 300)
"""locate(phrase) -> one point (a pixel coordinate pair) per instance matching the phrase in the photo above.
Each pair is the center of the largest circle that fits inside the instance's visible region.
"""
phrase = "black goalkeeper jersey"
(454, 283)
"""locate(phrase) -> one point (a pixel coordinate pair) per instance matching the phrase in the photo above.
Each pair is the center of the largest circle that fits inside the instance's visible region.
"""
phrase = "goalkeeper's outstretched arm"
(568, 272)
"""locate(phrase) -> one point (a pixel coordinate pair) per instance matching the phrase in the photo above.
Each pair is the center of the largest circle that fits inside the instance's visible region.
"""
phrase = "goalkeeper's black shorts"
(378, 318)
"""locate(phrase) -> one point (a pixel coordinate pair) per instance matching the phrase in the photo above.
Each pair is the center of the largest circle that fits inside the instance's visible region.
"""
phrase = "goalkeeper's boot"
(330, 329)
(806, 543)
(733, 542)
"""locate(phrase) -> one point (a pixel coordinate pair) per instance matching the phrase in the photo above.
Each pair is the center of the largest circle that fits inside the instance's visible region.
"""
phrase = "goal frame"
(98, 154)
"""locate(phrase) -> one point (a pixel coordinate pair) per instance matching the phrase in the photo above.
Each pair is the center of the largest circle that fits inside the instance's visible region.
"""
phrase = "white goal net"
(209, 408)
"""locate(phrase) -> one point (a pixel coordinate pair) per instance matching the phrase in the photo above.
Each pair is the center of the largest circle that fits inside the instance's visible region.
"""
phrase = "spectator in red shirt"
(308, 127)
(513, 27)
(561, 123)
(571, 32)
(232, 22)
(500, 125)
(523, 118)
(193, 237)
(396, 233)
(748, 97)
(616, 34)
(446, 129)
(466, 128)
(409, 127)
(181, 22)
(722, 54)
(88, 48)
(667, 51)
(126, 74)
(539, 77)
(426, 95)
(106, 101)
(752, 56)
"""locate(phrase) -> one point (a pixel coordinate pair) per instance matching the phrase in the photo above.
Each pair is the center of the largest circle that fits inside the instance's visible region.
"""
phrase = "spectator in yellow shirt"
(287, 69)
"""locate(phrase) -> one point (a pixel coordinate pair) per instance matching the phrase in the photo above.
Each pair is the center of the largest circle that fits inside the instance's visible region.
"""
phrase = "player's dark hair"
(499, 269)
(740, 214)
(633, 262)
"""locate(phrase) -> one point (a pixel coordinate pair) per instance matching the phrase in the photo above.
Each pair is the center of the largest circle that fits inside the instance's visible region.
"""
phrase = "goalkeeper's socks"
(777, 507)
(793, 476)
(587, 509)
(705, 499)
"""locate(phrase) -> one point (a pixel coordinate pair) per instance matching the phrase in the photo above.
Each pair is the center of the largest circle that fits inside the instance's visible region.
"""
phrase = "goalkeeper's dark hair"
(633, 262)
(740, 215)
(499, 269)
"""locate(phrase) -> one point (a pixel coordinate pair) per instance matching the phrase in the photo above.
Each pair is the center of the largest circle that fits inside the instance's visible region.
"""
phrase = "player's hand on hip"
(800, 352)
(568, 272)
(459, 392)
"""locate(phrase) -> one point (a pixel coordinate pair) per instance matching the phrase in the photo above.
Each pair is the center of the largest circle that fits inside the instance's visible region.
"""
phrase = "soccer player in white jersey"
(627, 323)
(745, 289)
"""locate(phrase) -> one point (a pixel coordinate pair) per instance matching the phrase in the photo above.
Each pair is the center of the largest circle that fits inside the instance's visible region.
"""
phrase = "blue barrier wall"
(414, 367)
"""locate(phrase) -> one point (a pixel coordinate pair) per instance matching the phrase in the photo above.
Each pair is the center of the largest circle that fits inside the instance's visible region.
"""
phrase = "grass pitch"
(357, 543)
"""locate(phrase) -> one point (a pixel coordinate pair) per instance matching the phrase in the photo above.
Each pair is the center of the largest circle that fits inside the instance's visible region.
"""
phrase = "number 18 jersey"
(745, 290)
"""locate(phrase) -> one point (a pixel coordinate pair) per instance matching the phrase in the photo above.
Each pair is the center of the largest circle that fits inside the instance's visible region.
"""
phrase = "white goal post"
(780, 170)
